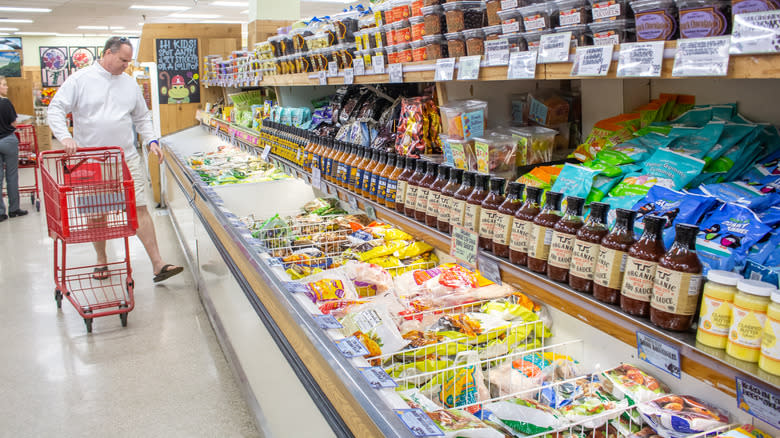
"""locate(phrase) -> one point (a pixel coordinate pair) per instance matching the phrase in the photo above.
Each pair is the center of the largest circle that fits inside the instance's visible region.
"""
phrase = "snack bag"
(683, 104)
(726, 236)
(676, 207)
(685, 414)
(575, 180)
(627, 381)
(696, 142)
(325, 290)
(750, 196)
(697, 117)
(665, 167)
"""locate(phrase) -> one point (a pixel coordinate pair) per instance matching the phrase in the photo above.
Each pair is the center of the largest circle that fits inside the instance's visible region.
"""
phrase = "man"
(106, 103)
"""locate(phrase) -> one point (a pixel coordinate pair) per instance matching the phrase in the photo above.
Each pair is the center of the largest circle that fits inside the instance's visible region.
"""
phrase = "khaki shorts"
(135, 164)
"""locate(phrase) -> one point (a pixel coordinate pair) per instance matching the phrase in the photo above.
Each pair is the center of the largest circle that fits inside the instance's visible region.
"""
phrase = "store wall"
(30, 45)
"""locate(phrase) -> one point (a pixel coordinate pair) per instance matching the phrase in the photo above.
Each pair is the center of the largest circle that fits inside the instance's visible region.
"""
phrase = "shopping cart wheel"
(123, 316)
(58, 298)
(88, 322)
(37, 205)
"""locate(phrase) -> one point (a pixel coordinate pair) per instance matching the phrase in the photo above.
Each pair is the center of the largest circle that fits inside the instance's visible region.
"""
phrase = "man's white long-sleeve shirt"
(104, 106)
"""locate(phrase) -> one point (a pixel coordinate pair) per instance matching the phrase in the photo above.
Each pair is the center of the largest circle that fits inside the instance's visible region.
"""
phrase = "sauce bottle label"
(560, 250)
(487, 220)
(422, 199)
(583, 259)
(353, 176)
(770, 349)
(392, 190)
(434, 203)
(444, 212)
(457, 211)
(381, 190)
(610, 266)
(677, 292)
(502, 228)
(411, 196)
(747, 326)
(359, 179)
(374, 184)
(520, 237)
(541, 238)
(715, 317)
(366, 184)
(471, 217)
(400, 192)
(639, 278)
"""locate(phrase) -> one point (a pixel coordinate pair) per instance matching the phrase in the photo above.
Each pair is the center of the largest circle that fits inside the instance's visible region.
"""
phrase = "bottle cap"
(533, 194)
(754, 287)
(727, 278)
(554, 200)
(598, 212)
(468, 178)
(456, 175)
(497, 184)
(515, 189)
(574, 205)
(686, 234)
(444, 171)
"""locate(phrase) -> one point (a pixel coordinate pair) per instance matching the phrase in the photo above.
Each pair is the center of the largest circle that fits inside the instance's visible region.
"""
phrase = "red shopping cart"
(28, 159)
(89, 197)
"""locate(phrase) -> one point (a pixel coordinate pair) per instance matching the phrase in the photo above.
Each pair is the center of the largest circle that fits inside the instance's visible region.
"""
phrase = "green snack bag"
(724, 112)
(683, 104)
(667, 168)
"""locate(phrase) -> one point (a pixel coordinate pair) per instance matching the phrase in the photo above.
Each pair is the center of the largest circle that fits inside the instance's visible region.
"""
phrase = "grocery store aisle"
(163, 375)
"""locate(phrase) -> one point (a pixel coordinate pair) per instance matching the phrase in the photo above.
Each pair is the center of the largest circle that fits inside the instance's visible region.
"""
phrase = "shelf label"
(658, 353)
(418, 422)
(327, 322)
(333, 69)
(592, 61)
(497, 52)
(522, 65)
(396, 72)
(554, 47)
(464, 244)
(445, 69)
(322, 75)
(640, 60)
(759, 401)
(702, 57)
(468, 68)
(756, 32)
(377, 377)
(349, 76)
(266, 152)
(292, 286)
(378, 64)
(316, 178)
(508, 4)
(352, 200)
(371, 212)
(351, 347)
(489, 269)
(359, 66)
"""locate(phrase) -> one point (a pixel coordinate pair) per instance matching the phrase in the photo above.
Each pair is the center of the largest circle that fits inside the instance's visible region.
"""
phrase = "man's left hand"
(154, 147)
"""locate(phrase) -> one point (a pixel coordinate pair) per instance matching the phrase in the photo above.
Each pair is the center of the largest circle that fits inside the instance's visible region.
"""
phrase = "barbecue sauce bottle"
(447, 193)
(434, 196)
(421, 207)
(641, 266)
(522, 225)
(586, 248)
(502, 227)
(403, 183)
(541, 234)
(611, 263)
(412, 188)
(474, 203)
(381, 190)
(458, 205)
(487, 218)
(564, 235)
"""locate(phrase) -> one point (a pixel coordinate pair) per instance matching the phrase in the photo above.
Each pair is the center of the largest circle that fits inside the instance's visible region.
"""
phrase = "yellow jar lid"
(758, 288)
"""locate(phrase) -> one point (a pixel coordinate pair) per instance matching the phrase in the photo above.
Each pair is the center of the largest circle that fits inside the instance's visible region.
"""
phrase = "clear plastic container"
(416, 8)
(572, 12)
(464, 15)
(375, 37)
(403, 32)
(539, 16)
(533, 38)
(435, 46)
(516, 42)
(609, 10)
(419, 51)
(401, 9)
(464, 119)
(346, 25)
(434, 21)
(656, 20)
(359, 39)
(748, 318)
(475, 42)
(456, 44)
(492, 32)
(511, 20)
(496, 155)
(612, 32)
(461, 153)
(491, 9)
(417, 25)
(535, 143)
(704, 18)
(431, 3)
(403, 53)
(580, 35)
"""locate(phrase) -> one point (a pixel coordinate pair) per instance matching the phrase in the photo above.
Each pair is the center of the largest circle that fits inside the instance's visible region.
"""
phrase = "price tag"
(554, 47)
(266, 152)
(702, 57)
(378, 63)
(658, 353)
(352, 200)
(316, 178)
(349, 76)
(522, 65)
(508, 4)
(418, 422)
(322, 75)
(333, 69)
(463, 245)
(371, 212)
(497, 52)
(294, 287)
(638, 60)
(592, 61)
(445, 69)
(759, 401)
(327, 322)
(396, 72)
(351, 347)
(756, 32)
(359, 66)
(377, 377)
(468, 68)
(489, 269)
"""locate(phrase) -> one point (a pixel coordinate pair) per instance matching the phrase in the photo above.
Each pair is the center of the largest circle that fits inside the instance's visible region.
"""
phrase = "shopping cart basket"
(28, 159)
(89, 197)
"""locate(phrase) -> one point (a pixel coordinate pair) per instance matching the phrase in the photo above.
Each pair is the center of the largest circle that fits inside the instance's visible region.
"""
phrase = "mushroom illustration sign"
(178, 66)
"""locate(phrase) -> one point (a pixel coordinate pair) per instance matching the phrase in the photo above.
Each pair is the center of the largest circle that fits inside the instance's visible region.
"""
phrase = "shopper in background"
(106, 103)
(9, 154)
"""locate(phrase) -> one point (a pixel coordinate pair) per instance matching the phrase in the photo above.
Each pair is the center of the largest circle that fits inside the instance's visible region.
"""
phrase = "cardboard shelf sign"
(178, 66)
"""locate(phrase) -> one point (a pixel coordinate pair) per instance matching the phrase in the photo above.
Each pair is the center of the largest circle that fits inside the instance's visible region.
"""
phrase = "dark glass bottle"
(421, 206)
(502, 227)
(458, 205)
(434, 196)
(564, 235)
(523, 225)
(376, 172)
(368, 174)
(384, 175)
(474, 203)
(447, 193)
(413, 187)
(611, 263)
(541, 234)
(403, 184)
(586, 248)
(489, 213)
(642, 262)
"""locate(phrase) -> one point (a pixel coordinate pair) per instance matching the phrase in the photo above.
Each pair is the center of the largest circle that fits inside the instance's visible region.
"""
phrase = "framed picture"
(10, 43)
(81, 57)
(54, 65)
(11, 63)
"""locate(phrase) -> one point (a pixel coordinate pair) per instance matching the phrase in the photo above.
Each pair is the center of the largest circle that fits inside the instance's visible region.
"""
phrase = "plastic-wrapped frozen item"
(461, 386)
(416, 400)
(726, 236)
(536, 143)
(456, 423)
(609, 10)
(329, 286)
(539, 16)
(704, 18)
(677, 415)
(526, 416)
(506, 380)
(656, 20)
(496, 155)
(369, 274)
(593, 412)
(374, 321)
(628, 381)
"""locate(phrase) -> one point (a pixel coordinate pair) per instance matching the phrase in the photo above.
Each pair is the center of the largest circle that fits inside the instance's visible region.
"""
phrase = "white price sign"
(756, 32)
(554, 47)
(468, 68)
(322, 75)
(489, 269)
(316, 178)
(702, 57)
(359, 66)
(333, 69)
(445, 69)
(266, 152)
(508, 4)
(327, 322)
(522, 65)
(349, 76)
(418, 422)
(396, 72)
(592, 61)
(497, 52)
(378, 63)
(638, 60)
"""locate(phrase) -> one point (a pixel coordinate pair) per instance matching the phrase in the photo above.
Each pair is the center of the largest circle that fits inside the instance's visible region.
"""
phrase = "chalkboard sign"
(177, 66)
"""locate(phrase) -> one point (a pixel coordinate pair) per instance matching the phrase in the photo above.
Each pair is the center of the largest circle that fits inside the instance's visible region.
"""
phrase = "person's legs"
(2, 180)
(10, 146)
(148, 237)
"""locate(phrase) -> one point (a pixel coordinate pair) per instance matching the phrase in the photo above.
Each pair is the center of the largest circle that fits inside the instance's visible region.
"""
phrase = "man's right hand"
(70, 146)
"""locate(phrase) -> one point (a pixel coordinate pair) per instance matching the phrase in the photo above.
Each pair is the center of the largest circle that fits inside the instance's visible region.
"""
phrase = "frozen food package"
(376, 323)
(628, 381)
(676, 415)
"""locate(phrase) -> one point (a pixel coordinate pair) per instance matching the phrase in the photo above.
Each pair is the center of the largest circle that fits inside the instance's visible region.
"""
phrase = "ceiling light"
(195, 16)
(246, 12)
(36, 33)
(222, 22)
(117, 27)
(160, 7)
(15, 9)
(69, 34)
(8, 29)
(93, 27)
(15, 20)
(230, 4)
(129, 31)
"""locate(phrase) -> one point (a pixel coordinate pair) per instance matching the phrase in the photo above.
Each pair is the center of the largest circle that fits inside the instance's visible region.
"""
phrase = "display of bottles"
(376, 173)
(447, 194)
(642, 262)
(339, 161)
(421, 206)
(717, 300)
(403, 184)
(354, 173)
(586, 248)
(458, 205)
(542, 231)
(327, 160)
(505, 214)
(613, 254)
(434, 196)
(489, 212)
(392, 181)
(522, 226)
(412, 187)
(474, 203)
(381, 188)
(564, 235)
(678, 283)
(368, 174)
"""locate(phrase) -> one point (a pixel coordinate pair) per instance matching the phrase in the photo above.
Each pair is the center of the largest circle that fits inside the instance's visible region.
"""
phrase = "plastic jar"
(580, 35)
(430, 3)
(533, 38)
(748, 318)
(346, 25)
(464, 15)
(456, 44)
(401, 9)
(403, 53)
(492, 32)
(609, 10)
(434, 21)
(608, 33)
(511, 20)
(572, 12)
(389, 32)
(715, 312)
(516, 42)
(538, 16)
(417, 25)
(704, 18)
(402, 32)
(656, 20)
(435, 46)
(491, 10)
(475, 42)
(419, 51)
(769, 360)
(416, 8)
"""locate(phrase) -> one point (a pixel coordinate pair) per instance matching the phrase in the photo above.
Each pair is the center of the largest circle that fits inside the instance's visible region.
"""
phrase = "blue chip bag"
(733, 133)
(765, 167)
(755, 271)
(726, 236)
(764, 248)
(756, 197)
(770, 216)
(575, 180)
(696, 142)
(676, 207)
